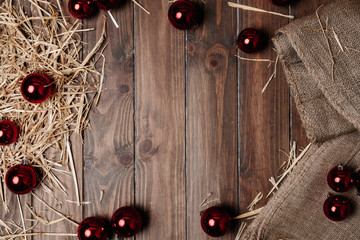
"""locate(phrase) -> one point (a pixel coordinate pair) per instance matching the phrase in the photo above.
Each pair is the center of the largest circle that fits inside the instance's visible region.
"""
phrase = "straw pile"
(45, 43)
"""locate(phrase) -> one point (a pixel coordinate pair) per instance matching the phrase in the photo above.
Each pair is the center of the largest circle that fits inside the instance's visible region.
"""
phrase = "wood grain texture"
(211, 116)
(179, 117)
(109, 145)
(264, 118)
(160, 123)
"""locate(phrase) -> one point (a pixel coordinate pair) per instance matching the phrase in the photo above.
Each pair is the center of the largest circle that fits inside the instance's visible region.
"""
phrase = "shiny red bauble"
(280, 2)
(216, 221)
(93, 228)
(126, 221)
(337, 208)
(340, 178)
(108, 4)
(21, 179)
(36, 88)
(8, 132)
(82, 8)
(250, 40)
(184, 15)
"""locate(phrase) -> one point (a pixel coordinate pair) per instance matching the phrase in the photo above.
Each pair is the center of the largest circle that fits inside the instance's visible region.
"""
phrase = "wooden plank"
(211, 116)
(109, 145)
(160, 123)
(264, 118)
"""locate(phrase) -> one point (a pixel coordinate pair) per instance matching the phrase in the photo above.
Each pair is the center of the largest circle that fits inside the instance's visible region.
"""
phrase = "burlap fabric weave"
(321, 57)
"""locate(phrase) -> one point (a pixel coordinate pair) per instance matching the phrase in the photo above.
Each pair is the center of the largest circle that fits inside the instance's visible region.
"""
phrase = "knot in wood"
(217, 58)
(145, 146)
(125, 159)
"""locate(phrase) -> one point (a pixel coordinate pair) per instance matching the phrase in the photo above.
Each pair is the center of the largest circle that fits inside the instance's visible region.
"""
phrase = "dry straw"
(45, 43)
(254, 9)
(286, 168)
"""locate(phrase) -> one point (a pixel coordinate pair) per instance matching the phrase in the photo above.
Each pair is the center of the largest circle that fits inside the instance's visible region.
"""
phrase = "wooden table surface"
(181, 118)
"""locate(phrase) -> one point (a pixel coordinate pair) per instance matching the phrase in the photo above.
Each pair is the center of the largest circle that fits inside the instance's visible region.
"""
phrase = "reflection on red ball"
(82, 8)
(337, 208)
(340, 178)
(21, 179)
(126, 221)
(36, 88)
(250, 40)
(215, 221)
(184, 15)
(93, 228)
(8, 132)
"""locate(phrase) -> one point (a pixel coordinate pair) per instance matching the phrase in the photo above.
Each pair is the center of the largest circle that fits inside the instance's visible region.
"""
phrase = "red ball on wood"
(82, 8)
(93, 228)
(215, 221)
(126, 221)
(340, 178)
(21, 179)
(184, 15)
(337, 208)
(250, 40)
(280, 2)
(108, 4)
(8, 132)
(36, 88)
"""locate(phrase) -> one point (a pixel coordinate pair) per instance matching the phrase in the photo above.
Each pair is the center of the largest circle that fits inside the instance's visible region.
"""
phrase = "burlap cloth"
(321, 57)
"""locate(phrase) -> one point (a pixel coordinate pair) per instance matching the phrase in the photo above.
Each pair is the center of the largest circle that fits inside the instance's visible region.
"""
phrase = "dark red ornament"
(36, 88)
(215, 221)
(93, 228)
(340, 178)
(126, 221)
(337, 208)
(280, 2)
(108, 4)
(8, 132)
(21, 179)
(82, 8)
(250, 40)
(184, 15)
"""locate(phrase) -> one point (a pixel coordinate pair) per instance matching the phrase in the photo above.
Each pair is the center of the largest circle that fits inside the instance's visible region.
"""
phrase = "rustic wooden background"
(180, 117)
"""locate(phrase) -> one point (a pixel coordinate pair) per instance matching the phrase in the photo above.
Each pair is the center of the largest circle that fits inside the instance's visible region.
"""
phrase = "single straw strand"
(140, 6)
(72, 167)
(248, 214)
(248, 8)
(113, 19)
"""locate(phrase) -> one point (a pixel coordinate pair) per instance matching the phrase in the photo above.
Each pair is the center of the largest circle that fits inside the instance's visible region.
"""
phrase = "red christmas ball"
(184, 15)
(108, 4)
(215, 221)
(82, 8)
(250, 40)
(280, 2)
(8, 132)
(21, 179)
(126, 221)
(337, 208)
(340, 178)
(93, 228)
(36, 88)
